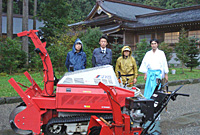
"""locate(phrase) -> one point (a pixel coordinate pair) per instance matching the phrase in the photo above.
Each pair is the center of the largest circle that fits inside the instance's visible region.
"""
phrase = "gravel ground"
(182, 116)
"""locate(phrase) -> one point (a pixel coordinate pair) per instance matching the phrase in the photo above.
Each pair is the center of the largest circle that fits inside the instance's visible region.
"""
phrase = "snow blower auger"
(69, 108)
(138, 111)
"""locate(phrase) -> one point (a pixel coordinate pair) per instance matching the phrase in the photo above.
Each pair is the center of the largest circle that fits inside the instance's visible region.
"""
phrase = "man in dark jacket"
(76, 59)
(102, 56)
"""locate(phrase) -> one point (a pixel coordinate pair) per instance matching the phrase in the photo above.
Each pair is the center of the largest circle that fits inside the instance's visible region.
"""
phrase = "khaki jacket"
(126, 66)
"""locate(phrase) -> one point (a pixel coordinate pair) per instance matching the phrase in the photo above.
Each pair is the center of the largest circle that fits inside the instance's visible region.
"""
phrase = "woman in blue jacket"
(76, 59)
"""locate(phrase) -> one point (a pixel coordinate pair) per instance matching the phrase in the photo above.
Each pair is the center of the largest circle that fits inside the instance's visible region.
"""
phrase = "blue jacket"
(74, 60)
(100, 59)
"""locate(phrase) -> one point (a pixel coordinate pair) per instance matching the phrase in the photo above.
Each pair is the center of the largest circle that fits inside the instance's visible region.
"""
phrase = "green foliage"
(182, 47)
(60, 46)
(80, 9)
(155, 3)
(141, 50)
(35, 62)
(55, 16)
(167, 50)
(167, 4)
(116, 52)
(90, 40)
(193, 53)
(11, 56)
(18, 6)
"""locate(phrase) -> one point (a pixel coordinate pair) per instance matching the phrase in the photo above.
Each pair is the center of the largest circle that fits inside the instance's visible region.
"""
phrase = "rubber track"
(76, 119)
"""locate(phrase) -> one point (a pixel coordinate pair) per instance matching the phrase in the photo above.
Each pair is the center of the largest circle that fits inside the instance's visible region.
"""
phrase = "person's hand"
(145, 76)
(134, 81)
(166, 77)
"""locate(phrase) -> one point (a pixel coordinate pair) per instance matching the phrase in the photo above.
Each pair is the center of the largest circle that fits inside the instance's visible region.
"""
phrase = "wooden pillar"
(156, 35)
(135, 41)
(124, 38)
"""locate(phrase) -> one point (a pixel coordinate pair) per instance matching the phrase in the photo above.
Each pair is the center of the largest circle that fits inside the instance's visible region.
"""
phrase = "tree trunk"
(10, 18)
(25, 28)
(0, 18)
(34, 14)
(182, 68)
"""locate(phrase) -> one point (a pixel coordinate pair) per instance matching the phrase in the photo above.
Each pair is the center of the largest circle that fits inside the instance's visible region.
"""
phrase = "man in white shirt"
(154, 62)
(154, 65)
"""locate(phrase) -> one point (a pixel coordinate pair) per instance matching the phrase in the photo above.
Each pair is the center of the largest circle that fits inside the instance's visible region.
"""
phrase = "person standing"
(127, 67)
(76, 59)
(103, 55)
(154, 66)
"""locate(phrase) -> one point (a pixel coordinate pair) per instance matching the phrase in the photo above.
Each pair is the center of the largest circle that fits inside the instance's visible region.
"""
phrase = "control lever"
(119, 78)
(126, 82)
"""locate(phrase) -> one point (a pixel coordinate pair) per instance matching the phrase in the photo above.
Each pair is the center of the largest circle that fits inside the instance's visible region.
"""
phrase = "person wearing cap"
(127, 67)
(102, 55)
(76, 59)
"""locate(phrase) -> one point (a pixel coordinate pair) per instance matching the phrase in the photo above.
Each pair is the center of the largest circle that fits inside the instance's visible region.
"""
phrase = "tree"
(155, 3)
(11, 56)
(90, 40)
(55, 15)
(10, 19)
(141, 50)
(60, 45)
(80, 9)
(116, 52)
(0, 18)
(193, 53)
(181, 48)
(167, 50)
(34, 14)
(25, 28)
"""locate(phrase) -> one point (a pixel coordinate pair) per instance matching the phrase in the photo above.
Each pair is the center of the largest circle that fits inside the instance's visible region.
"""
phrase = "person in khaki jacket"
(127, 67)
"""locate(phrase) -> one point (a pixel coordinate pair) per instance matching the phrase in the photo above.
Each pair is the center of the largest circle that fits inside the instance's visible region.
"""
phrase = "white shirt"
(103, 49)
(155, 61)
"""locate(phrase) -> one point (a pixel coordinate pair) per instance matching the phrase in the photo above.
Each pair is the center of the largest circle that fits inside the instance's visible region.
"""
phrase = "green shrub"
(35, 62)
(90, 40)
(11, 56)
(116, 53)
(193, 53)
(141, 50)
(167, 50)
(182, 47)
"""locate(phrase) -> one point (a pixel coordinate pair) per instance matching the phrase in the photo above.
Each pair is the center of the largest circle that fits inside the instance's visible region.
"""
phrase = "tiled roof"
(166, 17)
(125, 11)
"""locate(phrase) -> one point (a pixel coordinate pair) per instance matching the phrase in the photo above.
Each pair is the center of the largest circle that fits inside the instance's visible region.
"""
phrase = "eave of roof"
(111, 28)
(96, 21)
(92, 12)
